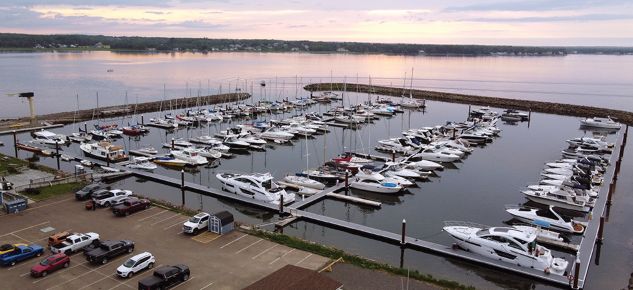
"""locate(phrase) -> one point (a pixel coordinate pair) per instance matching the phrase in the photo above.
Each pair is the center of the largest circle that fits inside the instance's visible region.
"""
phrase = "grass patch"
(46, 192)
(334, 253)
(11, 165)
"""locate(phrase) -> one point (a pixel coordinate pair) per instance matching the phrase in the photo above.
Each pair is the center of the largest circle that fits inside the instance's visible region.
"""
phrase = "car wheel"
(147, 206)
(151, 265)
(67, 253)
(105, 260)
(129, 275)
(130, 249)
(12, 263)
(38, 254)
(107, 204)
(185, 277)
(44, 274)
(127, 213)
(66, 264)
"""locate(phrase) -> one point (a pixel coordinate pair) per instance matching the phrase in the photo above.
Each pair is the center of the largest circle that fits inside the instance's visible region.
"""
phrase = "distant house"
(291, 277)
(342, 49)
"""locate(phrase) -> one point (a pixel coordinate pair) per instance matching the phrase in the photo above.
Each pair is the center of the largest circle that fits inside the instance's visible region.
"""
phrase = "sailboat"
(412, 103)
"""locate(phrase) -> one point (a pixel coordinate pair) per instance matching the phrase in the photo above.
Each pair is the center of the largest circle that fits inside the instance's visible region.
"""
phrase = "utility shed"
(221, 222)
(291, 277)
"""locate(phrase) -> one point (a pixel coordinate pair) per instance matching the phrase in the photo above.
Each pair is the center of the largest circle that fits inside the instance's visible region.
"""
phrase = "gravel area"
(354, 277)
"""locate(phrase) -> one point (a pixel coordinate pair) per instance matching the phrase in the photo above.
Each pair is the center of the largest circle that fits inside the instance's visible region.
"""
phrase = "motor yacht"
(105, 151)
(547, 218)
(603, 123)
(49, 138)
(190, 155)
(372, 185)
(507, 244)
(304, 181)
(257, 186)
(142, 163)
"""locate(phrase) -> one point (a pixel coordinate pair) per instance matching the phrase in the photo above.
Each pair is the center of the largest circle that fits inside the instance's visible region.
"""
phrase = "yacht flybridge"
(508, 244)
(105, 151)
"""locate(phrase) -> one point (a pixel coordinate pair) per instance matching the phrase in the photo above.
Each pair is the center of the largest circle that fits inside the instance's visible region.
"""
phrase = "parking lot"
(231, 261)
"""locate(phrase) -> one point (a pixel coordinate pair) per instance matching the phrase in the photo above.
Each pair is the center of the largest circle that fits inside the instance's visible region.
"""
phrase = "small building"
(221, 222)
(291, 277)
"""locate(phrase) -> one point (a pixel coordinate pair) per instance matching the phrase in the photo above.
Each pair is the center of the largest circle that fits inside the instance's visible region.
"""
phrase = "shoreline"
(123, 110)
(624, 117)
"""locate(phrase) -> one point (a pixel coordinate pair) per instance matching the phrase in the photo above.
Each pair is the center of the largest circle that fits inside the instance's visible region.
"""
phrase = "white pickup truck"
(196, 223)
(75, 242)
(108, 197)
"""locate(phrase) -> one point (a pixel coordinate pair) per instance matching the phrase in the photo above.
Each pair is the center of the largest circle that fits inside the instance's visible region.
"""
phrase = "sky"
(494, 22)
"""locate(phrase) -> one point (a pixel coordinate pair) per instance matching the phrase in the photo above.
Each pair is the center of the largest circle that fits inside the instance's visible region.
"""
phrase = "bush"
(32, 191)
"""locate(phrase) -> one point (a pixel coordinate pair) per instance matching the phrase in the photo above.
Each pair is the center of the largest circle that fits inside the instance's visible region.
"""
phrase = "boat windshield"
(480, 233)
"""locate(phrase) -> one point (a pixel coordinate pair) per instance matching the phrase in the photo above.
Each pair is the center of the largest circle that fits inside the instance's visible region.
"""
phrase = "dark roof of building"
(291, 277)
(224, 216)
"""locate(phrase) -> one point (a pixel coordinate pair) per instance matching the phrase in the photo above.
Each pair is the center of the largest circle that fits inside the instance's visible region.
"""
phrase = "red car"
(50, 264)
(131, 205)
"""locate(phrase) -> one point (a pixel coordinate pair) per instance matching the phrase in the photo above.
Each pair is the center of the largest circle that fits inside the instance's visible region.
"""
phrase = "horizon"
(480, 22)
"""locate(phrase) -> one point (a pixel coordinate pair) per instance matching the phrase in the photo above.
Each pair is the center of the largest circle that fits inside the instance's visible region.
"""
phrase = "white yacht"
(434, 155)
(257, 186)
(603, 123)
(142, 163)
(560, 198)
(304, 181)
(275, 133)
(370, 174)
(190, 155)
(507, 244)
(597, 142)
(547, 218)
(49, 138)
(105, 151)
(209, 153)
(395, 169)
(234, 143)
(424, 165)
(206, 140)
(373, 185)
(395, 144)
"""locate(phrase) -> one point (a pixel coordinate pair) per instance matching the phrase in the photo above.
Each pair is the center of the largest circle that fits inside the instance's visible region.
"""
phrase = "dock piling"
(15, 143)
(404, 230)
(142, 120)
(346, 181)
(610, 193)
(86, 128)
(57, 154)
(281, 205)
(173, 144)
(600, 230)
(576, 273)
(182, 186)
(393, 155)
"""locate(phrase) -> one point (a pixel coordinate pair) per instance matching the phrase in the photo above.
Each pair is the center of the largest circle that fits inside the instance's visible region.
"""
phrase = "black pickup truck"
(108, 250)
(165, 277)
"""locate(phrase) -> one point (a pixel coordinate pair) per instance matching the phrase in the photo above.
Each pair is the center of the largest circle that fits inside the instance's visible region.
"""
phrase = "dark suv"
(108, 250)
(86, 192)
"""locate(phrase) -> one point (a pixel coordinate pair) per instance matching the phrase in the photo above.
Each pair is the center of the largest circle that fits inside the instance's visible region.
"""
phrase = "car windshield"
(45, 262)
(129, 263)
(6, 247)
(194, 220)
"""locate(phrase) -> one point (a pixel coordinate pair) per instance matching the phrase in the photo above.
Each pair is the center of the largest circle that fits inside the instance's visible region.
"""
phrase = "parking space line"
(21, 238)
(279, 258)
(140, 220)
(179, 223)
(233, 241)
(160, 221)
(191, 278)
(52, 203)
(95, 282)
(44, 278)
(241, 250)
(308, 256)
(108, 276)
(264, 251)
(205, 287)
(91, 271)
(7, 234)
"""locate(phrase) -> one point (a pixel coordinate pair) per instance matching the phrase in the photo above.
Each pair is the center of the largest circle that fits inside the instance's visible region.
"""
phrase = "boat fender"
(546, 270)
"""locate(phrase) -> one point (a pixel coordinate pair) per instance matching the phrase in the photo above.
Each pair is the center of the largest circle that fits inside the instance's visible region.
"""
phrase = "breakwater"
(126, 110)
(536, 106)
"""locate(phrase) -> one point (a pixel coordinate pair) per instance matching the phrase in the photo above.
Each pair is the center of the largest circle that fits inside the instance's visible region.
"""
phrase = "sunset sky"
(523, 22)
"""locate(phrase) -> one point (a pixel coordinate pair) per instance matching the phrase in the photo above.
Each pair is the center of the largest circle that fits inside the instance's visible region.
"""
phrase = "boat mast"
(411, 88)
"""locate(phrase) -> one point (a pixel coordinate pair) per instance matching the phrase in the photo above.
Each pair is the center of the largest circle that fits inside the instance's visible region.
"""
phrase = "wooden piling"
(346, 181)
(281, 205)
(86, 128)
(404, 230)
(600, 230)
(182, 185)
(142, 120)
(610, 193)
(57, 154)
(173, 146)
(576, 273)
(15, 143)
(393, 155)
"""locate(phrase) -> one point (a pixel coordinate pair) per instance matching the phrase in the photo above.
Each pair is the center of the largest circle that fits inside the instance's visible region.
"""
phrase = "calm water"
(57, 78)
(475, 189)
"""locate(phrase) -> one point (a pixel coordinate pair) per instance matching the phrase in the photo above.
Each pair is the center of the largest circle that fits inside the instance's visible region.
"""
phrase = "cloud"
(536, 5)
(571, 18)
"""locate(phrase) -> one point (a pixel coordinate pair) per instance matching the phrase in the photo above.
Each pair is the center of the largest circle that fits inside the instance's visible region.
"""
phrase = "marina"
(297, 211)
